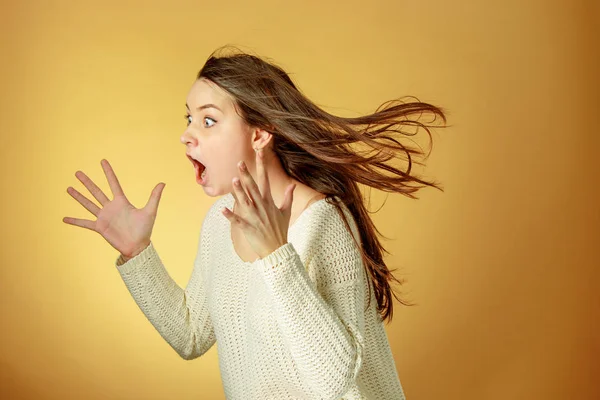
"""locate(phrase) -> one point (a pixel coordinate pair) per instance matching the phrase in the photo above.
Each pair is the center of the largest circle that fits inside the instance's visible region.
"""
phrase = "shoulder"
(326, 221)
(331, 249)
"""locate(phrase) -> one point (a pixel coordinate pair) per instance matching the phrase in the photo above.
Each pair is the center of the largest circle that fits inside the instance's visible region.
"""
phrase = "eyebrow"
(209, 105)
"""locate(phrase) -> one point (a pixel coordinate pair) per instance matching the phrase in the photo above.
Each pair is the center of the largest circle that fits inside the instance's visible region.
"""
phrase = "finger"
(250, 185)
(236, 200)
(91, 186)
(242, 198)
(88, 204)
(262, 176)
(113, 182)
(155, 197)
(84, 223)
(234, 218)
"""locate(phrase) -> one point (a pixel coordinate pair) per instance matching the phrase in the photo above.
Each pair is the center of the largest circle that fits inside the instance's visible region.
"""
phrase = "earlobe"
(261, 138)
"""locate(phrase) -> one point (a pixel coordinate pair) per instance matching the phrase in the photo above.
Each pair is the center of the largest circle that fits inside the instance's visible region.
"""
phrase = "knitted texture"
(292, 325)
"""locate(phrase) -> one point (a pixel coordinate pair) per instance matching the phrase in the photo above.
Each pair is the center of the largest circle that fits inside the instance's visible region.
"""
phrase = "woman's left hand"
(264, 224)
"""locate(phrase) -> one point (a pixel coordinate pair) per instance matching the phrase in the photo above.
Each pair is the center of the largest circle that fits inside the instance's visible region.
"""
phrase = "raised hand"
(123, 226)
(264, 224)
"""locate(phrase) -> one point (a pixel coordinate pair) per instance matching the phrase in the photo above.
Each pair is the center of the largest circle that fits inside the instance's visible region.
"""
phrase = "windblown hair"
(314, 147)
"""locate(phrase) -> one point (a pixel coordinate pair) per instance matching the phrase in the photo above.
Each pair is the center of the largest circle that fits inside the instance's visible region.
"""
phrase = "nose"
(187, 137)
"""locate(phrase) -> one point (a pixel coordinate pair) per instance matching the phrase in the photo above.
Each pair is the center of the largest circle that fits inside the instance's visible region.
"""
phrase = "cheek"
(223, 154)
(223, 165)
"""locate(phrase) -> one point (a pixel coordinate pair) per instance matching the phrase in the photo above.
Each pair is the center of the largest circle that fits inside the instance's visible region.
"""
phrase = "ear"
(261, 138)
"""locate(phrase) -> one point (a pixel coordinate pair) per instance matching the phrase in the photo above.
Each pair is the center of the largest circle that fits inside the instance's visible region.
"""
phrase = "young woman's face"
(216, 136)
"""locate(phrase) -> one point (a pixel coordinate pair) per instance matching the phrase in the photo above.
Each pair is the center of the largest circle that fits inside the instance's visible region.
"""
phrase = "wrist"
(127, 257)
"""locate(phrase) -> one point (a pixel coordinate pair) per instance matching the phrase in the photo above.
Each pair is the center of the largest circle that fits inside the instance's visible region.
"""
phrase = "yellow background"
(503, 264)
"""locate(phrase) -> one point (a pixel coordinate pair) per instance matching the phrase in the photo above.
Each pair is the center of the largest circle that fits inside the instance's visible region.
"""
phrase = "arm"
(180, 316)
(324, 332)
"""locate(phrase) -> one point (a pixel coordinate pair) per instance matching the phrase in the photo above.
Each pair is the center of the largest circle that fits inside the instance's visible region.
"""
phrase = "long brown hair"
(314, 146)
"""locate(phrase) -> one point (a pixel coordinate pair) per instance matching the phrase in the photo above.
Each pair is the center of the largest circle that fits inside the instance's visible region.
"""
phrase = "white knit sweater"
(291, 325)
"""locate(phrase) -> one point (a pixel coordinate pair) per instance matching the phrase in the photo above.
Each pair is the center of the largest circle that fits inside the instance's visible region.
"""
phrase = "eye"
(205, 118)
(188, 116)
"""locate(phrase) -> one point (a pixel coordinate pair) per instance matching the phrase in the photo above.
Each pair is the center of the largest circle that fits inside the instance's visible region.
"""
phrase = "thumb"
(155, 196)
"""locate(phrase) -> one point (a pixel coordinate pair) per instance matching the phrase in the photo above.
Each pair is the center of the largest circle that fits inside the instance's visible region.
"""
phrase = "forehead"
(204, 91)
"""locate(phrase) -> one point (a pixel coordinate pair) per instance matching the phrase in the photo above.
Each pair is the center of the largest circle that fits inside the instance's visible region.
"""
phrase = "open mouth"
(200, 170)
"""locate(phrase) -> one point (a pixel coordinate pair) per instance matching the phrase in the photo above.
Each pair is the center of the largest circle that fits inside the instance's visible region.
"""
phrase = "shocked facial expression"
(216, 137)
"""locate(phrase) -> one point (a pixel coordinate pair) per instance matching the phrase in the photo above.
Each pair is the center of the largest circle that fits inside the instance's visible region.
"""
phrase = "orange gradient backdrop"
(503, 264)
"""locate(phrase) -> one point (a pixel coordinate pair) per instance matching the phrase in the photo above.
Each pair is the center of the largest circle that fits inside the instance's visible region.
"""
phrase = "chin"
(211, 192)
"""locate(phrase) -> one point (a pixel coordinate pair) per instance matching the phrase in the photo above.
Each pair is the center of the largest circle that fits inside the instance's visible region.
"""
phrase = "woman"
(288, 259)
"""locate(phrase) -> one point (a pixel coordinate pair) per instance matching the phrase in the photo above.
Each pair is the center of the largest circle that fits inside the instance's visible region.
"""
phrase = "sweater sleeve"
(180, 316)
(322, 327)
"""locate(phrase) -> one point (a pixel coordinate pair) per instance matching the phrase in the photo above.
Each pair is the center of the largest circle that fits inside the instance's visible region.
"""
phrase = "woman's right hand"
(125, 227)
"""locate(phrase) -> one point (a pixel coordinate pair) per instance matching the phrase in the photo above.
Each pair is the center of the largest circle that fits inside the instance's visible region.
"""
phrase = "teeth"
(203, 174)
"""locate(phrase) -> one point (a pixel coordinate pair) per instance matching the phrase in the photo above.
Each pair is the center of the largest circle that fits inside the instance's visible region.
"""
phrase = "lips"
(195, 162)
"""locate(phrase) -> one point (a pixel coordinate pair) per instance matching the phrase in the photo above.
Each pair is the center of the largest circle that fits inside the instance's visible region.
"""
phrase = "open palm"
(125, 227)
